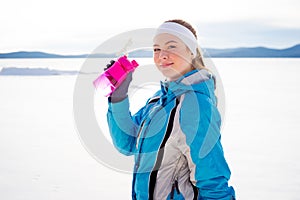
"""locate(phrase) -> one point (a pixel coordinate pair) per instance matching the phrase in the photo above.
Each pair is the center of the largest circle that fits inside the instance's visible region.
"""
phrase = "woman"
(175, 137)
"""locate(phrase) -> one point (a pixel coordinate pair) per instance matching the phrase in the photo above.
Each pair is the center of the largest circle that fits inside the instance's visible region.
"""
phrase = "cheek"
(155, 59)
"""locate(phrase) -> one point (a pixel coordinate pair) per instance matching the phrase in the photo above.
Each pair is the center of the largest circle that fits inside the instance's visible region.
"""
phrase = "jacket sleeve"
(122, 126)
(200, 124)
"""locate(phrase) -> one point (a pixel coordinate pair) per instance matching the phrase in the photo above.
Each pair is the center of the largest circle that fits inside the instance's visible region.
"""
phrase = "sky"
(75, 27)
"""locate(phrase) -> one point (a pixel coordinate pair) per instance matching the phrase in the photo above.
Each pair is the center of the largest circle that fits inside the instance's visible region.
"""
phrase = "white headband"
(181, 32)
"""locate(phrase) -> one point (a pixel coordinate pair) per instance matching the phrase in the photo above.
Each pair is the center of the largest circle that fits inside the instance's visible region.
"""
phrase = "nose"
(163, 54)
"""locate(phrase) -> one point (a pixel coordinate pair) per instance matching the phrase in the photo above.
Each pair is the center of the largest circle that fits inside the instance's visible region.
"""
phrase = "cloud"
(247, 33)
(60, 26)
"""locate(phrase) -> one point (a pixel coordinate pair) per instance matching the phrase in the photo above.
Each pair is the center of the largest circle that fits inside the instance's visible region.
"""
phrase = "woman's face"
(171, 56)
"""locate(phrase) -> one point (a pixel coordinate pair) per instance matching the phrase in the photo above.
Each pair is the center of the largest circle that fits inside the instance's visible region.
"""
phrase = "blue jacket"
(175, 139)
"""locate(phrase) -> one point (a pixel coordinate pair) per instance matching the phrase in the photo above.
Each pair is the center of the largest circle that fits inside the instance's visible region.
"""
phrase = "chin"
(170, 73)
(171, 77)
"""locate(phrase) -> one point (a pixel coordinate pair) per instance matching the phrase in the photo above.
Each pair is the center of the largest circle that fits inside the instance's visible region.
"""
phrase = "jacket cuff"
(119, 107)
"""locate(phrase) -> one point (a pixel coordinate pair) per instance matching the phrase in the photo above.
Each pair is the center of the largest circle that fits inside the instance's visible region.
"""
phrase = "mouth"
(164, 65)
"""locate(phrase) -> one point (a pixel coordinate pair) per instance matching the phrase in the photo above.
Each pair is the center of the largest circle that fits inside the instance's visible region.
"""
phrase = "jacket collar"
(197, 80)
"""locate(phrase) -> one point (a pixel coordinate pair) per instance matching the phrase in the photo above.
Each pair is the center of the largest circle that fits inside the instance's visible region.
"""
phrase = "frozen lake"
(42, 156)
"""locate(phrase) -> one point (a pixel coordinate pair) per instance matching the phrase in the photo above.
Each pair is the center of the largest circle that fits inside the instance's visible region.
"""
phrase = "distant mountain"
(257, 52)
(13, 71)
(245, 52)
(141, 53)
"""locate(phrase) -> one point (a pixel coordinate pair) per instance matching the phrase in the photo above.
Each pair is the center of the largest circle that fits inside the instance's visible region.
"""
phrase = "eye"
(171, 47)
(156, 49)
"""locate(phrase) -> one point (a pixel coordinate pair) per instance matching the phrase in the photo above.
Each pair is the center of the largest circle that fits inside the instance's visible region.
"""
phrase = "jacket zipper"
(138, 135)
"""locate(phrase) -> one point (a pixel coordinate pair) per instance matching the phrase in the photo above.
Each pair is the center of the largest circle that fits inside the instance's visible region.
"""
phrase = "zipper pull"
(172, 192)
(176, 187)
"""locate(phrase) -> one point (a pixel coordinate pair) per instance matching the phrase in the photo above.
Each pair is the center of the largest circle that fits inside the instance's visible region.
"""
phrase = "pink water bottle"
(111, 78)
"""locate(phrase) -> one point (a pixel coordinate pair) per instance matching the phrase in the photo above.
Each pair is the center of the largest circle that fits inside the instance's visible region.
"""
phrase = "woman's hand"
(121, 92)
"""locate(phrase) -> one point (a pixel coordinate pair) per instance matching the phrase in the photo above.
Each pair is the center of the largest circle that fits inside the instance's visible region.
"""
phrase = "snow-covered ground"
(42, 156)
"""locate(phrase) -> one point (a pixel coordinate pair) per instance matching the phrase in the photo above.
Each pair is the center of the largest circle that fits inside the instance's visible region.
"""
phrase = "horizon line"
(221, 48)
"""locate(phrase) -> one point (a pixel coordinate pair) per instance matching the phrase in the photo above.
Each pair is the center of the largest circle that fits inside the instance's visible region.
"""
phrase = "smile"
(166, 64)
